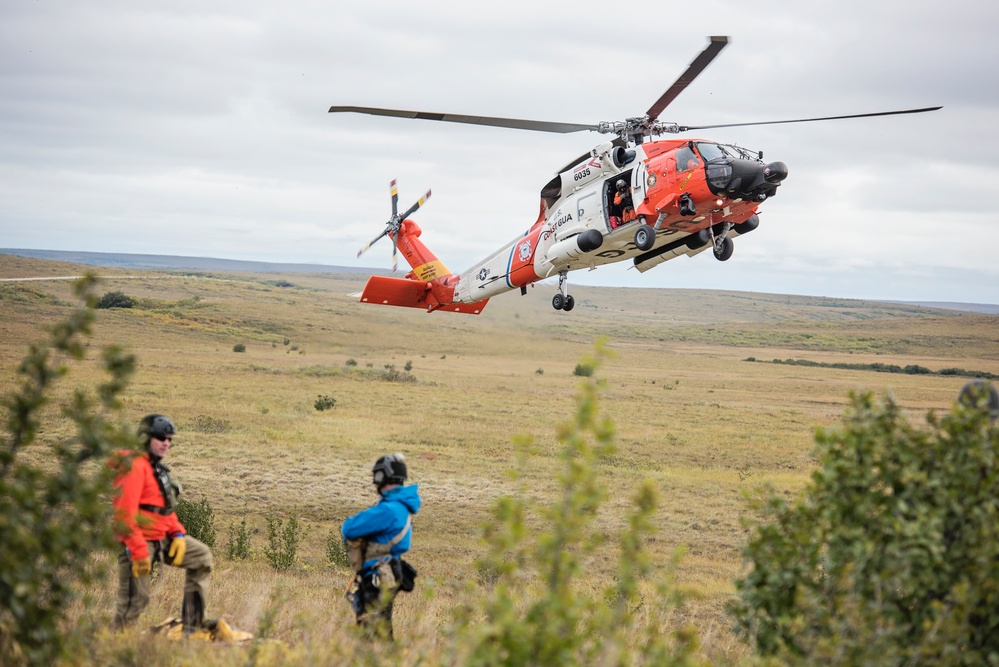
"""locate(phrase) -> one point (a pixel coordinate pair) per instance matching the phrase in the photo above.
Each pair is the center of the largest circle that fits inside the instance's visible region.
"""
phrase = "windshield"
(712, 152)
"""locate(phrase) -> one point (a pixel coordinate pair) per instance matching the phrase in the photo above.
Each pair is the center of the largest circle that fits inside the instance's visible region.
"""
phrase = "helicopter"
(631, 198)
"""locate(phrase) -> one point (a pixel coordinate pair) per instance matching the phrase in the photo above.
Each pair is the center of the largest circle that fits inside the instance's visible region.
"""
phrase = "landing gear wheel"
(569, 303)
(558, 302)
(726, 249)
(645, 237)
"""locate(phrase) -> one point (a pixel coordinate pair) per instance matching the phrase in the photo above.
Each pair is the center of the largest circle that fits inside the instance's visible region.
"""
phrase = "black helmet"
(155, 426)
(978, 392)
(621, 185)
(389, 469)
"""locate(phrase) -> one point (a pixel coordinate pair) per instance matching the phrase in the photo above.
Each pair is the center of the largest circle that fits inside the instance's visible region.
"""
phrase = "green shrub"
(198, 519)
(324, 402)
(336, 551)
(239, 347)
(283, 542)
(890, 556)
(238, 546)
(351, 363)
(534, 608)
(209, 424)
(390, 374)
(116, 300)
(583, 370)
(54, 509)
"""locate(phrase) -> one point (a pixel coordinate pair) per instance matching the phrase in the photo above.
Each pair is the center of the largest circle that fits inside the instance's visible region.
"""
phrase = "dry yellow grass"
(691, 414)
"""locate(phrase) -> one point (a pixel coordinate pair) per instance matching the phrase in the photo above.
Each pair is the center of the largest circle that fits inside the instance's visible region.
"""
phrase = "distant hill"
(130, 261)
(984, 308)
(178, 262)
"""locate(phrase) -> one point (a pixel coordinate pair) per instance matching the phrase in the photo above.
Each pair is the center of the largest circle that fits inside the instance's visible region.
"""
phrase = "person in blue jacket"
(376, 540)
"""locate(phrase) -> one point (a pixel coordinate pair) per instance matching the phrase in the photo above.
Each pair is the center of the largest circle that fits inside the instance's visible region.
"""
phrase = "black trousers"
(375, 597)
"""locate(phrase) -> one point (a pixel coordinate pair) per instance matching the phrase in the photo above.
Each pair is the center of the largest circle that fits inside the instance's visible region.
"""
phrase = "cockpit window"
(712, 151)
(686, 159)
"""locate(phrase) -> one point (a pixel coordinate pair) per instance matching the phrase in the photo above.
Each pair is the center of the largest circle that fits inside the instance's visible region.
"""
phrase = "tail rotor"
(395, 223)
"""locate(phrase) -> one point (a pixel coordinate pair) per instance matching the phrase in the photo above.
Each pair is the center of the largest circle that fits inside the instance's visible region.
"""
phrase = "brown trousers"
(133, 593)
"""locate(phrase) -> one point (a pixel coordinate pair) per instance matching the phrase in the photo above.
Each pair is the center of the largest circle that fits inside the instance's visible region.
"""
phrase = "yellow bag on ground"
(213, 631)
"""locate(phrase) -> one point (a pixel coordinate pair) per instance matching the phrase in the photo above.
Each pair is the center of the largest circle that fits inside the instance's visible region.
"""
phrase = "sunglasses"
(166, 438)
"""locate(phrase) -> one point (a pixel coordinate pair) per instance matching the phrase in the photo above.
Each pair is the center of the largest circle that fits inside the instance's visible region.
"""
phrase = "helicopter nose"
(746, 179)
(775, 172)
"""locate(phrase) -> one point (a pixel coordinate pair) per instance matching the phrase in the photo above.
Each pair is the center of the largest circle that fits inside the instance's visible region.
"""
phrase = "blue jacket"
(383, 521)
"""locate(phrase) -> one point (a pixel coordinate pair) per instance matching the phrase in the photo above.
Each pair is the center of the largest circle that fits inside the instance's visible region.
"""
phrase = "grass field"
(691, 414)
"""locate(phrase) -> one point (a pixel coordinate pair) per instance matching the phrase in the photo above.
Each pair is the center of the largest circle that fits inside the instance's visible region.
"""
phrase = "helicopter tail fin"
(426, 266)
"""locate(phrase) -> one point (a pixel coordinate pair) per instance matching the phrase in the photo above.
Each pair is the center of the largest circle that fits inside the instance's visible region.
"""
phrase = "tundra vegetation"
(622, 537)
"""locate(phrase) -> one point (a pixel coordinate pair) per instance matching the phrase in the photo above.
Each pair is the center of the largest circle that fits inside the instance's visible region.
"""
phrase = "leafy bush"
(390, 374)
(53, 506)
(239, 347)
(209, 424)
(282, 543)
(408, 367)
(198, 519)
(116, 300)
(324, 402)
(891, 554)
(583, 370)
(336, 551)
(350, 363)
(238, 546)
(535, 609)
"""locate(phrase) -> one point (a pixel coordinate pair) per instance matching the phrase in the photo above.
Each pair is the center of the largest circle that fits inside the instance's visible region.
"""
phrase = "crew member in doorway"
(622, 198)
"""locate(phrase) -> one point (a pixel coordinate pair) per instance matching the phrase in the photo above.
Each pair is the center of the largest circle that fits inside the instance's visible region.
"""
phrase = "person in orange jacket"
(622, 200)
(146, 525)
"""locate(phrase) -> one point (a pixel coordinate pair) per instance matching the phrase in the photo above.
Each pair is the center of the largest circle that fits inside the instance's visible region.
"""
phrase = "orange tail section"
(430, 285)
(412, 294)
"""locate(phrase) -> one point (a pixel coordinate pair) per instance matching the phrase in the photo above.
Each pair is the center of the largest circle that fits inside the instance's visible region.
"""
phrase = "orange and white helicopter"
(627, 199)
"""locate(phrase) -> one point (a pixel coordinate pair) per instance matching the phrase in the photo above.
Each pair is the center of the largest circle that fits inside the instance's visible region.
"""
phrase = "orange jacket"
(136, 485)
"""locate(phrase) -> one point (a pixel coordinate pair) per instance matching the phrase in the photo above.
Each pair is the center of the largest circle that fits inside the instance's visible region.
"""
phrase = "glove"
(141, 567)
(178, 547)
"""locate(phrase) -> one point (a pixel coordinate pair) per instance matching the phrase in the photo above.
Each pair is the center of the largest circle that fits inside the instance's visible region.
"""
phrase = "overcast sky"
(201, 128)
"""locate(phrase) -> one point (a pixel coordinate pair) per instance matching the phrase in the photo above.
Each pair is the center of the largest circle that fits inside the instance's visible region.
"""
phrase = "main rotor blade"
(395, 198)
(372, 242)
(684, 128)
(696, 67)
(515, 123)
(418, 204)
